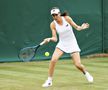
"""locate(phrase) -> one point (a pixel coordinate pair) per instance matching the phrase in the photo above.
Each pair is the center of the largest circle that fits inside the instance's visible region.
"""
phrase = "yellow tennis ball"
(47, 54)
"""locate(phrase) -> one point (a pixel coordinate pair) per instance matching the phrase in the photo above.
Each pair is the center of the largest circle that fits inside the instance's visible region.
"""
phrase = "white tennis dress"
(67, 41)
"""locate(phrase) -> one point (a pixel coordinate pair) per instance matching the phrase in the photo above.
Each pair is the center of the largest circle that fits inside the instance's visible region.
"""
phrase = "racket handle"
(43, 42)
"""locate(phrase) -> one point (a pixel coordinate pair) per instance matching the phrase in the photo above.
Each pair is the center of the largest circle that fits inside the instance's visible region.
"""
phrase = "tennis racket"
(28, 53)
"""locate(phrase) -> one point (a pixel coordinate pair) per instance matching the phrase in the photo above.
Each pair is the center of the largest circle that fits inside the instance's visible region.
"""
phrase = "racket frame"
(35, 50)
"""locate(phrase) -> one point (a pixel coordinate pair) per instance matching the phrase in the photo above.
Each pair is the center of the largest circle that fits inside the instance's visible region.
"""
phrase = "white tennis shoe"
(47, 83)
(89, 77)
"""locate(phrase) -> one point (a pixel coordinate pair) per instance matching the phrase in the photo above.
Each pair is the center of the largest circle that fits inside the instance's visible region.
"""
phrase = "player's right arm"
(53, 29)
(54, 35)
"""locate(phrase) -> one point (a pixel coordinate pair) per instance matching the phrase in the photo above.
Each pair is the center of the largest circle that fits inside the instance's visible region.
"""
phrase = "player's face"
(55, 16)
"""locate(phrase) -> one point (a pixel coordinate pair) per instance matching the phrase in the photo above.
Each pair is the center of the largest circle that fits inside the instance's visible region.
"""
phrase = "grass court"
(31, 75)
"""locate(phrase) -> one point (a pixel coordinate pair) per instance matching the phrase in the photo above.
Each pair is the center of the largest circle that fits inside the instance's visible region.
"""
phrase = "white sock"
(86, 72)
(50, 78)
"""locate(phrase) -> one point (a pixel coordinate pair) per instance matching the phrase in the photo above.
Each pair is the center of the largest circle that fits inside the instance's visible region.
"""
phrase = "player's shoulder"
(52, 24)
(67, 17)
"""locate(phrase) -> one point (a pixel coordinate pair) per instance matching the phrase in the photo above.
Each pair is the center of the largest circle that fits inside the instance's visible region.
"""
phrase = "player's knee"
(77, 65)
(54, 60)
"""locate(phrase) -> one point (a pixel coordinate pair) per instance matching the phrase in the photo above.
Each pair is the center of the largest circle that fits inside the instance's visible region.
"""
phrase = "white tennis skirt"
(68, 47)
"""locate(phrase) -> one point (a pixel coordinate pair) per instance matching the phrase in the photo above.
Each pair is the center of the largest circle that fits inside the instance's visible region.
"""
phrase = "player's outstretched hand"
(85, 25)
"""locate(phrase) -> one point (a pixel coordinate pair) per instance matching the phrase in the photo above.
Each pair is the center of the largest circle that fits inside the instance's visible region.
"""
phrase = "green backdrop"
(26, 23)
(105, 25)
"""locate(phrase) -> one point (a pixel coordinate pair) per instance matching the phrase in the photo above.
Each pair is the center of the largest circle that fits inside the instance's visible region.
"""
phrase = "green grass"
(31, 75)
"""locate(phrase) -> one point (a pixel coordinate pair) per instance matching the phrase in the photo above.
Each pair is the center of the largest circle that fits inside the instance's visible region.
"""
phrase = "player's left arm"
(77, 27)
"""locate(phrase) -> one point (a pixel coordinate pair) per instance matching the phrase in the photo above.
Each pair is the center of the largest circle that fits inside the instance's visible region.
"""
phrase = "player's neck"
(59, 21)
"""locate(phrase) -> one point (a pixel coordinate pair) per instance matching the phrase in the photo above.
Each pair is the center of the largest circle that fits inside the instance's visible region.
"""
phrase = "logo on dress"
(67, 25)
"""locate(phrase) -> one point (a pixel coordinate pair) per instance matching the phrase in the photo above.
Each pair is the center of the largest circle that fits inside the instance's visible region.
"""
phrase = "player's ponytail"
(65, 13)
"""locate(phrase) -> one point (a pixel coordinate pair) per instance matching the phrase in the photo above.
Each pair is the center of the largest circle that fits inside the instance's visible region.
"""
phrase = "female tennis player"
(62, 24)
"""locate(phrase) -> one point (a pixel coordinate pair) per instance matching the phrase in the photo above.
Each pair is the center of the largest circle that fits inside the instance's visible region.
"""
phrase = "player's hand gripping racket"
(28, 53)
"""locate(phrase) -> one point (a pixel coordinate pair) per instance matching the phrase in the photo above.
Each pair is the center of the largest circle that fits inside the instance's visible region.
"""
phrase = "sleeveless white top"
(67, 41)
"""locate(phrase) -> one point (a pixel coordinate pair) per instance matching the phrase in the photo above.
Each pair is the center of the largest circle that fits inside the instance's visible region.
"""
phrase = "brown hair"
(65, 13)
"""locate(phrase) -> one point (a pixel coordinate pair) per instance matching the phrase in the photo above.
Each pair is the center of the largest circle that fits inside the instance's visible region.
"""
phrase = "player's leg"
(77, 63)
(56, 55)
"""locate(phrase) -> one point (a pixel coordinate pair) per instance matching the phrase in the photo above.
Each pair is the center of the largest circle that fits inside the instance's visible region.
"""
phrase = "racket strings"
(27, 53)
